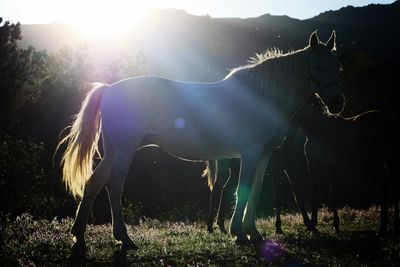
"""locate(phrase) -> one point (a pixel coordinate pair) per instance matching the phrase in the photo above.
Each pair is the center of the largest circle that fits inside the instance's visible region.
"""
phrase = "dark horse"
(360, 146)
(223, 178)
(336, 147)
(287, 161)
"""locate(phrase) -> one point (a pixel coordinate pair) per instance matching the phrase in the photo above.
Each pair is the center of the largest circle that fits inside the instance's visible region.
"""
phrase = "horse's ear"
(331, 43)
(314, 41)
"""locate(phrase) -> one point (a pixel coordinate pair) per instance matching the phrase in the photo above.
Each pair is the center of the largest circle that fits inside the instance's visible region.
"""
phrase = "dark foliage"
(23, 183)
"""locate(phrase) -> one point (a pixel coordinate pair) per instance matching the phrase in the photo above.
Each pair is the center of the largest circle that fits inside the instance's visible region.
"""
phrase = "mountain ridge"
(189, 47)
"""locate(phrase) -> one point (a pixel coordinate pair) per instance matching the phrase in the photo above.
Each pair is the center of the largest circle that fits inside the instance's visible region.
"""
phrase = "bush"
(24, 186)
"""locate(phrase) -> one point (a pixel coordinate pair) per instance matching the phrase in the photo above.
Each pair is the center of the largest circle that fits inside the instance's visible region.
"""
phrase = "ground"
(29, 242)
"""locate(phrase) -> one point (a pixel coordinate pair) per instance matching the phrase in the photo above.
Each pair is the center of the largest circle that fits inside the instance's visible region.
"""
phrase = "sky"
(46, 11)
(102, 18)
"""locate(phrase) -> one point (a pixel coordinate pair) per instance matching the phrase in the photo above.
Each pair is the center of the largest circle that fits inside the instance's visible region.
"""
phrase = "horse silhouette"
(340, 147)
(246, 117)
(287, 163)
(363, 145)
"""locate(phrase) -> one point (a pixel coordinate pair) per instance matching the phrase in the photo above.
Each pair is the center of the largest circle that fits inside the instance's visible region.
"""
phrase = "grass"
(29, 242)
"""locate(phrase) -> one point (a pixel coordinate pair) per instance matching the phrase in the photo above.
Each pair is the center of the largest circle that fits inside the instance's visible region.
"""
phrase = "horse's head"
(323, 71)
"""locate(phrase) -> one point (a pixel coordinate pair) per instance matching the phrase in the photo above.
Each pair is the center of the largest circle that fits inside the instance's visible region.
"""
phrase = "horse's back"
(196, 121)
(373, 141)
(376, 131)
(170, 114)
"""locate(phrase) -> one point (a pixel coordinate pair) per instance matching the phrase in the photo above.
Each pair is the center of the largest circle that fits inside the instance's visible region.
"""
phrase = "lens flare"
(271, 250)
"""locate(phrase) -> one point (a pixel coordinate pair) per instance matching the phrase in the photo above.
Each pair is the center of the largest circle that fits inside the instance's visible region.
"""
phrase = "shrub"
(24, 186)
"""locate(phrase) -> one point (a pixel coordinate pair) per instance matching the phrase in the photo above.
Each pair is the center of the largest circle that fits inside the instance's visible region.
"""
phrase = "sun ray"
(106, 19)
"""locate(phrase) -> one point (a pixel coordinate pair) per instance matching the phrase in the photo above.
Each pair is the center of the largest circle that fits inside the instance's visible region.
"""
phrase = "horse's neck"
(286, 78)
(317, 124)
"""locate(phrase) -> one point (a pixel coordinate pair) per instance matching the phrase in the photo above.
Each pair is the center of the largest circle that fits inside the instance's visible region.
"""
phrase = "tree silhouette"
(18, 72)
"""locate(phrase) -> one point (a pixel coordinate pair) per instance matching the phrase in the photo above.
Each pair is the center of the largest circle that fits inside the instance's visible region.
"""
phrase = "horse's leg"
(384, 212)
(215, 198)
(396, 215)
(278, 203)
(228, 190)
(336, 219)
(231, 180)
(299, 197)
(275, 172)
(396, 221)
(313, 167)
(247, 172)
(332, 201)
(227, 193)
(391, 173)
(92, 187)
(301, 204)
(381, 179)
(297, 174)
(249, 222)
(114, 188)
(396, 195)
(278, 220)
(314, 200)
(223, 175)
(211, 175)
(384, 207)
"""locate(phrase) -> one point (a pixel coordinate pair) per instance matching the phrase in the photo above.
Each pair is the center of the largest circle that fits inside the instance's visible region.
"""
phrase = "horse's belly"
(191, 147)
(201, 155)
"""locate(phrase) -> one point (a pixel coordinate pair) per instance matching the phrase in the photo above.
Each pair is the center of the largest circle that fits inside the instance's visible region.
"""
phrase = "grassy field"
(29, 242)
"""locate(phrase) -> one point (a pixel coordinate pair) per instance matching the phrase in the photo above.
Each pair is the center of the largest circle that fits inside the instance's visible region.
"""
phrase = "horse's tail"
(210, 172)
(82, 143)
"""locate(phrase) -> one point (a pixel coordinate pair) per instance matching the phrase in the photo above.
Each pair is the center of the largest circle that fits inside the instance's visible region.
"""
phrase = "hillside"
(372, 29)
(204, 48)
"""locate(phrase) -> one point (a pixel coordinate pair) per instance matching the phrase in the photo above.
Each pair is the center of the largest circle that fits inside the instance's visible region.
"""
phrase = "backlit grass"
(29, 242)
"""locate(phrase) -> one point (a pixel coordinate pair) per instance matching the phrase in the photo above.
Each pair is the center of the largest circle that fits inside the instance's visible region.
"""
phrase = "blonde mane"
(259, 59)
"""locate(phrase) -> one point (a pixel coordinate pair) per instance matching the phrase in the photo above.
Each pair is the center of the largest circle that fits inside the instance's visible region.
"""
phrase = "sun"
(106, 19)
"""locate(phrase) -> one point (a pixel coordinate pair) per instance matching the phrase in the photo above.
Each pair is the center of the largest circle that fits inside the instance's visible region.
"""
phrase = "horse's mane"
(257, 59)
(268, 54)
(267, 73)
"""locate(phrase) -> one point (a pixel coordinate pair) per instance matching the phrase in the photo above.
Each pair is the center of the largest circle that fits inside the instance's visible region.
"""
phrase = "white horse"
(245, 116)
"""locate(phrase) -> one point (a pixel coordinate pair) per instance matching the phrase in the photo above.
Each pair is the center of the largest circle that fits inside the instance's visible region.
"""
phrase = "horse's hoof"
(78, 254)
(210, 230)
(128, 245)
(382, 233)
(223, 230)
(314, 231)
(78, 248)
(257, 241)
(233, 232)
(242, 241)
(77, 231)
(313, 223)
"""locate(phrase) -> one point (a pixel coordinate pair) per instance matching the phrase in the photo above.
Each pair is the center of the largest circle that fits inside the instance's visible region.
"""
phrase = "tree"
(17, 72)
